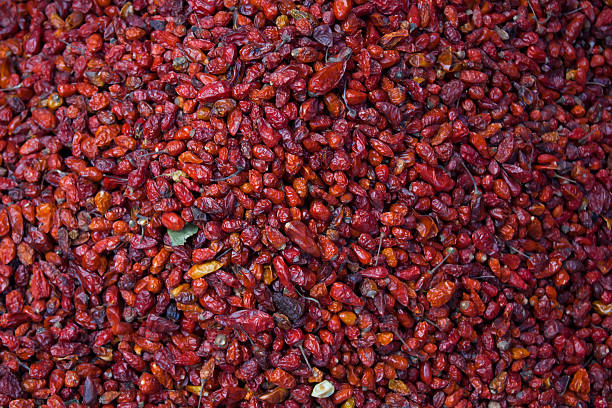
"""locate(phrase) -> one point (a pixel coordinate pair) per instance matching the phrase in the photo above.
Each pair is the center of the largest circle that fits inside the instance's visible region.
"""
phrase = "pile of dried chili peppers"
(269, 203)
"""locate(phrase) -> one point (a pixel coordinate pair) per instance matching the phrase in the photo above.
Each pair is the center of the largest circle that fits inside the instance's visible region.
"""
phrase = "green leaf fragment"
(179, 237)
(299, 14)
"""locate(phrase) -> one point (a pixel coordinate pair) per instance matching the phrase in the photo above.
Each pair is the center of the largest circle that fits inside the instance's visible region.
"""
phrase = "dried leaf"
(299, 14)
(180, 237)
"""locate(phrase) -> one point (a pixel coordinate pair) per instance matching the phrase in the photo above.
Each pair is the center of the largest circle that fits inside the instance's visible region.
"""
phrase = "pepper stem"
(440, 264)
(12, 88)
(476, 190)
(79, 49)
(305, 358)
(237, 172)
(518, 251)
(564, 178)
(379, 246)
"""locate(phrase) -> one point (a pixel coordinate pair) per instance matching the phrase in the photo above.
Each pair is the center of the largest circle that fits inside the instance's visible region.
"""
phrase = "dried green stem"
(12, 88)
(518, 251)
(379, 246)
(435, 268)
(305, 358)
(476, 190)
(564, 178)
(234, 174)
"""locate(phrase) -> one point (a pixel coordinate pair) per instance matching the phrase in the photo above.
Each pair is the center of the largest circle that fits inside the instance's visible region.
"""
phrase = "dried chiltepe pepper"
(206, 373)
(330, 76)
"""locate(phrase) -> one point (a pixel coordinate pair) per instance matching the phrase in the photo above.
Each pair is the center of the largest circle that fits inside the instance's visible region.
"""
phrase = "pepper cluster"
(262, 203)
